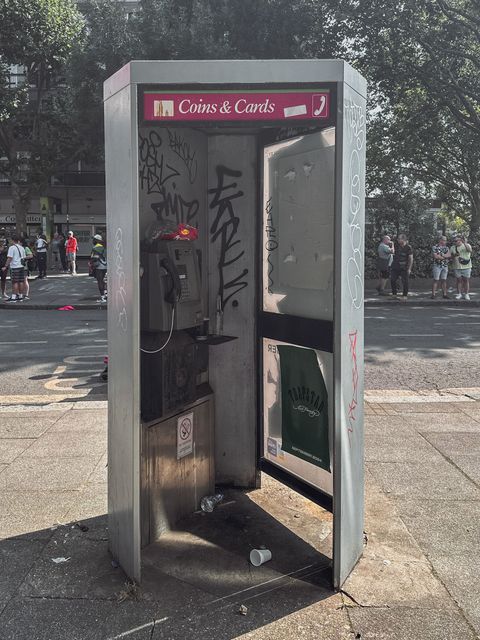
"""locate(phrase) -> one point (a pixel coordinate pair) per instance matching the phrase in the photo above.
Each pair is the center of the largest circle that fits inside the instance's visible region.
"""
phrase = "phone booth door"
(296, 312)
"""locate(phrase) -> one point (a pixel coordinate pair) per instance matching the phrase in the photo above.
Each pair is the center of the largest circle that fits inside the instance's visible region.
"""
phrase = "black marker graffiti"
(183, 150)
(156, 176)
(174, 205)
(154, 172)
(225, 227)
(271, 243)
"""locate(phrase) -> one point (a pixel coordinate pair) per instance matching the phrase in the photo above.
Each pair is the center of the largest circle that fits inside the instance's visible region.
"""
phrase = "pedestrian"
(3, 262)
(41, 246)
(98, 262)
(441, 255)
(385, 252)
(401, 265)
(16, 262)
(461, 253)
(55, 244)
(71, 248)
(28, 265)
(62, 251)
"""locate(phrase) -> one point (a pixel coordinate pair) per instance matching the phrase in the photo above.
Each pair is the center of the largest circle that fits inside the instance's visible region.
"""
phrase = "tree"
(37, 35)
(423, 59)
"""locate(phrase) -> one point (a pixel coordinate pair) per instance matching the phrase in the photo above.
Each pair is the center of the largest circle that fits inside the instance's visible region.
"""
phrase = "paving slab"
(91, 502)
(88, 573)
(25, 426)
(427, 407)
(461, 574)
(383, 425)
(100, 474)
(386, 536)
(17, 557)
(297, 610)
(62, 444)
(81, 421)
(443, 526)
(57, 619)
(11, 448)
(470, 465)
(442, 422)
(413, 481)
(398, 447)
(473, 410)
(409, 624)
(37, 474)
(393, 583)
(453, 444)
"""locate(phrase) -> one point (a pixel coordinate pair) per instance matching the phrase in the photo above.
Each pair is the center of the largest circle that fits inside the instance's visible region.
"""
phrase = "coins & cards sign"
(236, 106)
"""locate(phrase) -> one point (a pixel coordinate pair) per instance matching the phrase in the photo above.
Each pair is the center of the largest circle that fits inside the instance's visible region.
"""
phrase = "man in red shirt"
(71, 246)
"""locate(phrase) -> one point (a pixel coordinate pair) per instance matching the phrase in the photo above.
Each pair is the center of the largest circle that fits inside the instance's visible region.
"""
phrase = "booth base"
(206, 556)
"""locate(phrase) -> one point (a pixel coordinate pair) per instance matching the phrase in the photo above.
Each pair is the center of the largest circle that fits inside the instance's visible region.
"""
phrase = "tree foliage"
(37, 35)
(422, 58)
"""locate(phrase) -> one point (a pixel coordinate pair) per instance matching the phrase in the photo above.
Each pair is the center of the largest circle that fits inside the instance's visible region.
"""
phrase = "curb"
(51, 307)
(382, 301)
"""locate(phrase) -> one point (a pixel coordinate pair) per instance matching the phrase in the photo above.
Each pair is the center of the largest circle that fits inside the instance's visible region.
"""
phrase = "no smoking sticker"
(184, 435)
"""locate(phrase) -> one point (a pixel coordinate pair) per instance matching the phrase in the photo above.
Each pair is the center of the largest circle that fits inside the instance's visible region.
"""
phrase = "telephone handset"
(171, 286)
(174, 292)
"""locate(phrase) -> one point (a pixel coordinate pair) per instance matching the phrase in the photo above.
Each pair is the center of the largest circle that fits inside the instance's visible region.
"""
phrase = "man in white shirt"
(41, 246)
(15, 261)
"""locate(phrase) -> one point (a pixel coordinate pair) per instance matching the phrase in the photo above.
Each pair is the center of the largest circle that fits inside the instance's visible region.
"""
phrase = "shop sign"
(11, 218)
(233, 106)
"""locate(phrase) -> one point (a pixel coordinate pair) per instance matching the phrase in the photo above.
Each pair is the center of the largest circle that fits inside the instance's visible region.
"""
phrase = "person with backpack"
(16, 263)
(98, 264)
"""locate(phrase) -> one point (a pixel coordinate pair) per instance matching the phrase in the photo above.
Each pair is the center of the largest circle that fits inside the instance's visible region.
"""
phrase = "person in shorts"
(441, 255)
(461, 253)
(16, 261)
(3, 262)
(385, 251)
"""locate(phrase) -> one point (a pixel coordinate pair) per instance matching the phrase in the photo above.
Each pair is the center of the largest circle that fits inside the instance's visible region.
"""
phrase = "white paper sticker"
(299, 110)
(184, 435)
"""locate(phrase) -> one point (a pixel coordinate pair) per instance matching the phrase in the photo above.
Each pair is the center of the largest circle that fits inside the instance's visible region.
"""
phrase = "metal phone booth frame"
(267, 160)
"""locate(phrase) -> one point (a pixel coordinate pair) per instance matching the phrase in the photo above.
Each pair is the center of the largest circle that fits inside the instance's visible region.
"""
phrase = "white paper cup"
(260, 556)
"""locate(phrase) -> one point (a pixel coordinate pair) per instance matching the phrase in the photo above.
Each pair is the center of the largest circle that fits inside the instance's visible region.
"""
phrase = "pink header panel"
(282, 105)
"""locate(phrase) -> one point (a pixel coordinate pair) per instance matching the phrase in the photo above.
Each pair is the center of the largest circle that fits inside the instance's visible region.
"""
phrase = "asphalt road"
(60, 354)
(54, 353)
(408, 347)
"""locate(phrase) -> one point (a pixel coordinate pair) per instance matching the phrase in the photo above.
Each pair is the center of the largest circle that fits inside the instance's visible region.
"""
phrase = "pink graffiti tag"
(352, 407)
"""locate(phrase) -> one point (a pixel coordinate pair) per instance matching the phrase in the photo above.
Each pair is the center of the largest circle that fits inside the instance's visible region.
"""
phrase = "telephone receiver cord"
(169, 335)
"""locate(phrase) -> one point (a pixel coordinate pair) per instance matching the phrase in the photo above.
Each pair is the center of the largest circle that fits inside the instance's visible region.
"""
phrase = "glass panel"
(298, 410)
(298, 211)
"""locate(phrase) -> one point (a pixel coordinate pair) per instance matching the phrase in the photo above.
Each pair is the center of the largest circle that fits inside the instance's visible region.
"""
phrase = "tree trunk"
(21, 204)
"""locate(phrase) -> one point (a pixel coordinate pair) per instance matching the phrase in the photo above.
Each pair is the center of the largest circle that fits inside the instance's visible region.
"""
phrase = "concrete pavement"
(418, 578)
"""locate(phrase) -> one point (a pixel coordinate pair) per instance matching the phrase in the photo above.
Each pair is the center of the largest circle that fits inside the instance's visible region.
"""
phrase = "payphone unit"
(171, 309)
(171, 286)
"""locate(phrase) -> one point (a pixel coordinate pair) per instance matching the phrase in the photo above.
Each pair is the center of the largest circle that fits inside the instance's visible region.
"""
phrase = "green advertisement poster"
(304, 406)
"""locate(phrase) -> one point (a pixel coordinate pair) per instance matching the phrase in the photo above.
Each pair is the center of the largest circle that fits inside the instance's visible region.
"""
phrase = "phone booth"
(235, 214)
